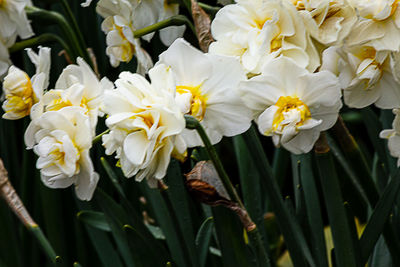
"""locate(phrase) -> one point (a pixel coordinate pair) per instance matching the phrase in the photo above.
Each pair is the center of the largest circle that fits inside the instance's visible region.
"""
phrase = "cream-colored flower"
(13, 19)
(144, 124)
(77, 86)
(258, 31)
(393, 136)
(328, 21)
(365, 74)
(22, 92)
(291, 104)
(62, 144)
(119, 25)
(206, 88)
(378, 26)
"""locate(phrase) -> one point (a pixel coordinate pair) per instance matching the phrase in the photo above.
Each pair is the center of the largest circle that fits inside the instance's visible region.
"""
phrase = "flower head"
(257, 31)
(366, 75)
(328, 21)
(63, 144)
(294, 108)
(119, 25)
(144, 124)
(378, 26)
(21, 91)
(206, 88)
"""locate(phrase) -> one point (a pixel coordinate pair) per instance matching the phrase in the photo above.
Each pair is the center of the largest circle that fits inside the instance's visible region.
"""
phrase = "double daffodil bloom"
(393, 136)
(206, 88)
(145, 124)
(328, 21)
(367, 75)
(378, 26)
(62, 144)
(119, 25)
(77, 86)
(291, 104)
(258, 31)
(21, 91)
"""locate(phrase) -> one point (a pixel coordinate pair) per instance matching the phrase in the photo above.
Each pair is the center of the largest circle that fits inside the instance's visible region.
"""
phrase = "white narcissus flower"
(13, 19)
(378, 26)
(119, 25)
(258, 31)
(144, 124)
(77, 86)
(365, 74)
(393, 136)
(206, 88)
(22, 92)
(291, 104)
(63, 144)
(328, 21)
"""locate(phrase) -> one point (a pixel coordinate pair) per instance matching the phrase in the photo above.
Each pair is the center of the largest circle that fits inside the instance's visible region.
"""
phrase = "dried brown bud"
(202, 23)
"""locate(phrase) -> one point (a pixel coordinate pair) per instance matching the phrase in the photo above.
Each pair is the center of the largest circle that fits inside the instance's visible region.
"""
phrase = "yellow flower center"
(288, 104)
(198, 101)
(2, 3)
(394, 7)
(127, 49)
(276, 43)
(60, 103)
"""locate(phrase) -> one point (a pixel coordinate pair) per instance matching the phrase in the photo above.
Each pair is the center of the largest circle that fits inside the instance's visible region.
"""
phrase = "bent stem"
(255, 236)
(7, 192)
(172, 21)
(76, 49)
(39, 40)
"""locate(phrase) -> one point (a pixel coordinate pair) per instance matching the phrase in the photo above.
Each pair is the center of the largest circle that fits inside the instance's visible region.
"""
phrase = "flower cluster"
(283, 64)
(122, 18)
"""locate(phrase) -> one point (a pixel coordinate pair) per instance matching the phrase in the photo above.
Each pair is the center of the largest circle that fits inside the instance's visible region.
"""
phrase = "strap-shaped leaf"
(379, 217)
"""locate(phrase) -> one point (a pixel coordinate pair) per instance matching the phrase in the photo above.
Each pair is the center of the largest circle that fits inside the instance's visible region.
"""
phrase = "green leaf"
(313, 210)
(163, 219)
(180, 202)
(116, 218)
(378, 219)
(374, 127)
(250, 181)
(104, 247)
(94, 219)
(142, 250)
(381, 255)
(231, 240)
(203, 238)
(345, 252)
(292, 232)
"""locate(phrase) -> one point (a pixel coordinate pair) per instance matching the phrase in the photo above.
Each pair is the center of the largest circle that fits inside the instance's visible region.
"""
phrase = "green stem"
(193, 123)
(172, 21)
(212, 10)
(98, 137)
(37, 232)
(39, 40)
(76, 49)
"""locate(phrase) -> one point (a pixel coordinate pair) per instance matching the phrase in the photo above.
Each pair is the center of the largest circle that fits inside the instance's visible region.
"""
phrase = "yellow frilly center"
(199, 100)
(20, 101)
(2, 3)
(286, 104)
